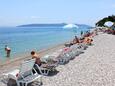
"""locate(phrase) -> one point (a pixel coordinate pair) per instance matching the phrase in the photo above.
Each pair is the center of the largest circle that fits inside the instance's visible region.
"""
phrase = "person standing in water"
(8, 50)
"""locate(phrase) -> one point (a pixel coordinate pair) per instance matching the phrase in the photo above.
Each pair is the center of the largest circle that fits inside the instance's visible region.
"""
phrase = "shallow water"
(25, 39)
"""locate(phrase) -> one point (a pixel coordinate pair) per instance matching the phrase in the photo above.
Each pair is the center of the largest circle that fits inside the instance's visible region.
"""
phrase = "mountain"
(43, 25)
(83, 26)
(59, 25)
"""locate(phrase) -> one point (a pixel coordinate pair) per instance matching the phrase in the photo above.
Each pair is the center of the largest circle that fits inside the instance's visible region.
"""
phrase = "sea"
(26, 39)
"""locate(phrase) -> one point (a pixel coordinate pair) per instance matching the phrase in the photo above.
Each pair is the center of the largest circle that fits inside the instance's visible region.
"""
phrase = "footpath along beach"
(95, 67)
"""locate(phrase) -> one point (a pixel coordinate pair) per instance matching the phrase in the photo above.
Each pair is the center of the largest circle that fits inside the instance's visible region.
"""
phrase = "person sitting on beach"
(39, 63)
(76, 40)
(36, 57)
(8, 50)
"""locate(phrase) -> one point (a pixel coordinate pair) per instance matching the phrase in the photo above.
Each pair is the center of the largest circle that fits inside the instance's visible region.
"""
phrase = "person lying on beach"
(88, 40)
(110, 31)
(8, 50)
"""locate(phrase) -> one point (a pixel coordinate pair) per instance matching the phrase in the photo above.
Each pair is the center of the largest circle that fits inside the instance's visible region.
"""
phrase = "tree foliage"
(106, 19)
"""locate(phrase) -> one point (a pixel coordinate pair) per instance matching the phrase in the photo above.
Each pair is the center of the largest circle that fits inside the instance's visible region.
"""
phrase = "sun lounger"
(64, 58)
(44, 69)
(76, 49)
(26, 74)
(48, 63)
(5, 75)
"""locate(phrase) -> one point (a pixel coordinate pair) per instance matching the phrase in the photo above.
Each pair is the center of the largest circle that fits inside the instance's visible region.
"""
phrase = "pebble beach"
(95, 67)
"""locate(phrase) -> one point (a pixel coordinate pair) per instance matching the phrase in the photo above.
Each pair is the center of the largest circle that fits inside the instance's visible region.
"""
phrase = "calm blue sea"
(25, 39)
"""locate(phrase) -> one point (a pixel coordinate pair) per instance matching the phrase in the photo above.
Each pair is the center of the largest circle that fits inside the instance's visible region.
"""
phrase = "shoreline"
(18, 58)
(93, 67)
(26, 55)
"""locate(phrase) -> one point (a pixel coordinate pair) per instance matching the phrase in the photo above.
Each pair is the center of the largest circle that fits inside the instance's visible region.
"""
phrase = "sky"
(19, 12)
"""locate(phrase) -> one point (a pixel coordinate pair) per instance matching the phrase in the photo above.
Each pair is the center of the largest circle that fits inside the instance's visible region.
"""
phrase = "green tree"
(102, 21)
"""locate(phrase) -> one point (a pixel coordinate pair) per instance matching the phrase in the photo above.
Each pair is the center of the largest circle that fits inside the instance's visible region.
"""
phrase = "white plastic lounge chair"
(84, 46)
(44, 69)
(72, 54)
(80, 46)
(44, 58)
(26, 74)
(75, 51)
(5, 75)
(64, 58)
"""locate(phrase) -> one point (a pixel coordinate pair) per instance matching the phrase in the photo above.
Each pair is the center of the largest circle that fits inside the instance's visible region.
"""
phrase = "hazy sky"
(16, 12)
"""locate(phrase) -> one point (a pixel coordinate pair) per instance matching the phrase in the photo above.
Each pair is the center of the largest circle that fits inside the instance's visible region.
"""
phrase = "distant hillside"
(60, 25)
(43, 25)
(84, 25)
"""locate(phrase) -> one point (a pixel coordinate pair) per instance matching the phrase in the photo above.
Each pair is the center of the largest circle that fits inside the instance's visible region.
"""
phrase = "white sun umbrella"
(109, 23)
(71, 26)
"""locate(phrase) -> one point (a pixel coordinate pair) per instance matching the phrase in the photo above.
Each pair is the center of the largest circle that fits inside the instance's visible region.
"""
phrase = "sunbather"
(47, 65)
(37, 61)
(75, 41)
(88, 40)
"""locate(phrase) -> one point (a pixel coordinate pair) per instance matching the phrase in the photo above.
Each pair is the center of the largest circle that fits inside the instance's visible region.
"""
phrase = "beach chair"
(26, 74)
(64, 58)
(72, 54)
(5, 75)
(44, 69)
(76, 50)
(83, 46)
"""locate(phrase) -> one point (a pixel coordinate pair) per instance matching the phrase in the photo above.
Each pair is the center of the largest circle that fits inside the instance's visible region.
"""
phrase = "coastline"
(93, 67)
(15, 62)
(20, 57)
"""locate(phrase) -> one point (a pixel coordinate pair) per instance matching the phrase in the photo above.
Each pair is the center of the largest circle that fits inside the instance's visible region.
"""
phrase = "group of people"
(33, 54)
(110, 31)
(85, 38)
